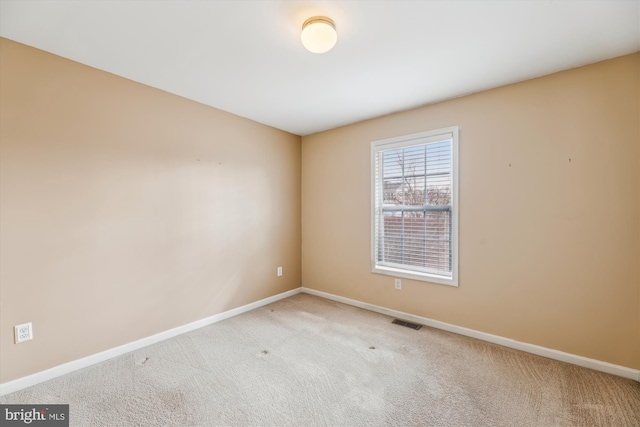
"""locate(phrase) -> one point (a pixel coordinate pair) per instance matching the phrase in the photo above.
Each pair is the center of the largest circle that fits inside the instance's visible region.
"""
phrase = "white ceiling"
(246, 57)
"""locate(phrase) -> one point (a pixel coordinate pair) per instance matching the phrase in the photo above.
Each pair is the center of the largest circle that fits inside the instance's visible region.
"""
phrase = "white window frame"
(405, 141)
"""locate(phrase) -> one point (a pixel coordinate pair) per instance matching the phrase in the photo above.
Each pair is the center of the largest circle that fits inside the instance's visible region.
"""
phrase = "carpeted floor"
(307, 361)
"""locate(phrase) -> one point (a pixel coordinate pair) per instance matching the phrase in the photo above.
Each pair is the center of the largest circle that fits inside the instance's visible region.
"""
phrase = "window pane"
(418, 239)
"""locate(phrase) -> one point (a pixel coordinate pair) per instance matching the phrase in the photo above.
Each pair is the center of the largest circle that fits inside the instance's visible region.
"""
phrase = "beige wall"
(126, 211)
(549, 247)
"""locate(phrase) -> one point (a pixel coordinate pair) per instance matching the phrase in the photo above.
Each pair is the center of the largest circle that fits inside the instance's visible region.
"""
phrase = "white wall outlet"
(398, 284)
(23, 332)
(279, 271)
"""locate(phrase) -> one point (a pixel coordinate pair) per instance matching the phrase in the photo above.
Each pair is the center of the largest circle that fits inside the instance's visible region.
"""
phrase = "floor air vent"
(407, 324)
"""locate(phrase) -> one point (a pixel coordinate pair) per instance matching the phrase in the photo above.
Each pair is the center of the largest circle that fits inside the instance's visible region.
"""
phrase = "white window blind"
(414, 206)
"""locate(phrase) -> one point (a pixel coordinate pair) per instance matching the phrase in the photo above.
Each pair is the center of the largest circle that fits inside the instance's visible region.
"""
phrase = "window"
(414, 206)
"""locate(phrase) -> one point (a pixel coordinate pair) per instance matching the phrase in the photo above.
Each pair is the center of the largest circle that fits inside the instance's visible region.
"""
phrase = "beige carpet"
(307, 361)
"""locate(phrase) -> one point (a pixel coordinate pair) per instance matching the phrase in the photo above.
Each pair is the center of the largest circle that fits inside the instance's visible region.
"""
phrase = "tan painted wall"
(549, 248)
(127, 211)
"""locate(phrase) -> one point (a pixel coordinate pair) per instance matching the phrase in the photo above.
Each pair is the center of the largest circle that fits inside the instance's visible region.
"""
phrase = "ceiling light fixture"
(319, 34)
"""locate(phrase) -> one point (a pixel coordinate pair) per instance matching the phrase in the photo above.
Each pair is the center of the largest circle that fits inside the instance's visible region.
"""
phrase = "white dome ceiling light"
(319, 34)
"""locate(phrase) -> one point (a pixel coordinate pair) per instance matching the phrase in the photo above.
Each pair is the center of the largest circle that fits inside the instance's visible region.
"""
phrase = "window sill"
(414, 275)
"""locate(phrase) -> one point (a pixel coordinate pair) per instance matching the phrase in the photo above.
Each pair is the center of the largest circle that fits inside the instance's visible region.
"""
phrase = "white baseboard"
(56, 371)
(28, 381)
(597, 365)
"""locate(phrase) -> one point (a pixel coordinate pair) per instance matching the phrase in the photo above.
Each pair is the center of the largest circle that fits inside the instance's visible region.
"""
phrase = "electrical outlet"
(279, 271)
(23, 332)
(398, 284)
